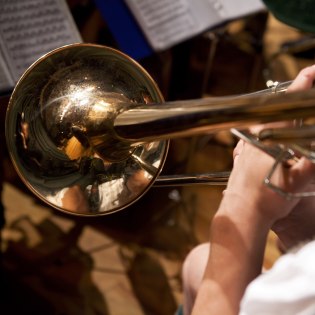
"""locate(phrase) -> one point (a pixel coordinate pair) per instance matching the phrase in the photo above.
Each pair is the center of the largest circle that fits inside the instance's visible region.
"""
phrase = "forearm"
(238, 238)
(240, 227)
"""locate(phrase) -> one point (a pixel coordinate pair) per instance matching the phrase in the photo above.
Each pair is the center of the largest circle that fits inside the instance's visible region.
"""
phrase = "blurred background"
(130, 262)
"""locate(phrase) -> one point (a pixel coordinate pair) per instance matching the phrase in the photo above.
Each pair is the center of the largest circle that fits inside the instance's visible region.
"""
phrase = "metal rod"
(211, 179)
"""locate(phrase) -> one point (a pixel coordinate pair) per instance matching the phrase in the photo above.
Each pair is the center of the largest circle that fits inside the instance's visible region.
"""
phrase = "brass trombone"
(88, 129)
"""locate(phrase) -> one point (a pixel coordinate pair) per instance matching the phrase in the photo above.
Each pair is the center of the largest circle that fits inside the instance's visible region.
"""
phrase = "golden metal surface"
(87, 128)
(60, 136)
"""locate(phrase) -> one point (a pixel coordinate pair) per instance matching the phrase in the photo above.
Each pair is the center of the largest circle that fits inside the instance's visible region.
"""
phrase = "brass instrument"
(88, 129)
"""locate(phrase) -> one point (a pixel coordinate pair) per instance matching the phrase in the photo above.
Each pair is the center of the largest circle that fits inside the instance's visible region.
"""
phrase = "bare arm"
(239, 229)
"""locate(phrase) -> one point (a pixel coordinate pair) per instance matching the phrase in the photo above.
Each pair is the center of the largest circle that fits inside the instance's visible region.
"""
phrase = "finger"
(258, 128)
(238, 150)
(304, 80)
(303, 172)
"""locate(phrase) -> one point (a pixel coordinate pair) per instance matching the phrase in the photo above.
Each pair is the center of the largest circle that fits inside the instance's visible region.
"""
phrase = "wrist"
(242, 209)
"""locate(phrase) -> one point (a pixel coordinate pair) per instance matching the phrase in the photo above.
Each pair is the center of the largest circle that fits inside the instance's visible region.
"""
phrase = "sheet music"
(31, 28)
(229, 9)
(168, 22)
(6, 80)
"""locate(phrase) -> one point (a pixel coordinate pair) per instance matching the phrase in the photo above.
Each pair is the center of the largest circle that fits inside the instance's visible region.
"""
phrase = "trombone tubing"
(140, 123)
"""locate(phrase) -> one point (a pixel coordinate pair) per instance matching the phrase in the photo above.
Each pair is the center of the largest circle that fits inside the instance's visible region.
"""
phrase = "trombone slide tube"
(144, 123)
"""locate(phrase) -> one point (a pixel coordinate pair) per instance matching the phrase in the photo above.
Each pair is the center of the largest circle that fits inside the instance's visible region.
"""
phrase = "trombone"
(88, 130)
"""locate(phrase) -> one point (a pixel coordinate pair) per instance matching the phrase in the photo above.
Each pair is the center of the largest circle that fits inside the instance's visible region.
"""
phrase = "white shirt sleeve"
(287, 288)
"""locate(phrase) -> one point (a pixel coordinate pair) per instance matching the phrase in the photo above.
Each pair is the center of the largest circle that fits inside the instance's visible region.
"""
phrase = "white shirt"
(287, 288)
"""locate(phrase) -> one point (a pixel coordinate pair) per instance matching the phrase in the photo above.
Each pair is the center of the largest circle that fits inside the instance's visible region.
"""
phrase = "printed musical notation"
(168, 22)
(28, 30)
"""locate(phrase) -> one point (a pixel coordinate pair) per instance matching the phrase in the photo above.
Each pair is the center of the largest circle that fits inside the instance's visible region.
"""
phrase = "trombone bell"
(88, 130)
(59, 130)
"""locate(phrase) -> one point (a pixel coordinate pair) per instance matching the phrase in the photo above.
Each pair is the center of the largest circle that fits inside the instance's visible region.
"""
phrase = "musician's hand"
(240, 226)
(246, 184)
(303, 81)
(247, 212)
(299, 225)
